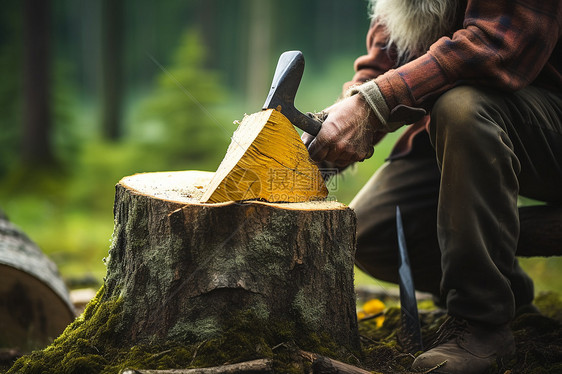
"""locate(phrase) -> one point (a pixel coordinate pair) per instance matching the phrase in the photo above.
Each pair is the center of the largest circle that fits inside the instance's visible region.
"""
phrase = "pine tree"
(187, 132)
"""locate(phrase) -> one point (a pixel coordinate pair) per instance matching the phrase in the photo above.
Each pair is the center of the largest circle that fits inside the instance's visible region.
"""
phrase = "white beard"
(414, 25)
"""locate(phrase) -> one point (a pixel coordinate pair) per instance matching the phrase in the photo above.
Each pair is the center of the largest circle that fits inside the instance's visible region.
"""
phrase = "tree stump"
(192, 285)
(179, 265)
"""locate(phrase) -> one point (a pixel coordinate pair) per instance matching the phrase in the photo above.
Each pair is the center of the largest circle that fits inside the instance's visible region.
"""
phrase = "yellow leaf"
(373, 306)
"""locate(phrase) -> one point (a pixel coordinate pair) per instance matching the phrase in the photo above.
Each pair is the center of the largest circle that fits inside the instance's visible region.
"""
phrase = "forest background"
(92, 91)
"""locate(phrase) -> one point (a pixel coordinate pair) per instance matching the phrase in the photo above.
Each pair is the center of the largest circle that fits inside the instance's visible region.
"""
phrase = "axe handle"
(304, 122)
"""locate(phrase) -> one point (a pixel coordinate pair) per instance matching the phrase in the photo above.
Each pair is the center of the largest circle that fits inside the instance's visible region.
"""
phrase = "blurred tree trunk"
(112, 67)
(209, 25)
(259, 52)
(37, 121)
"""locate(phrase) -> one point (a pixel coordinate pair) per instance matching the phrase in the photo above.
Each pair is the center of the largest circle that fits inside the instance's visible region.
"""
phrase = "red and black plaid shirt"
(503, 44)
(506, 44)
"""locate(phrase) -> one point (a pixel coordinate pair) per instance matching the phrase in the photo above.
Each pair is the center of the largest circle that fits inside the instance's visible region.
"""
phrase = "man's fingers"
(326, 145)
(306, 138)
(329, 147)
(340, 153)
(317, 150)
(346, 136)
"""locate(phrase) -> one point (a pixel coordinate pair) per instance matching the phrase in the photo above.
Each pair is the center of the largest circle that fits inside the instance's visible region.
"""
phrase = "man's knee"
(462, 118)
(457, 102)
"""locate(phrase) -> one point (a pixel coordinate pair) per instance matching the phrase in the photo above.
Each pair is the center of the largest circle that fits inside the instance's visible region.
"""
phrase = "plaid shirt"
(506, 44)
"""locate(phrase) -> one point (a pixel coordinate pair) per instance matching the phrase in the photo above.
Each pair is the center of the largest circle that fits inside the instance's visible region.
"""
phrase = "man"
(488, 74)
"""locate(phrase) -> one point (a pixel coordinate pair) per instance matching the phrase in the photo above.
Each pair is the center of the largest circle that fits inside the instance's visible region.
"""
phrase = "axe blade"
(408, 304)
(286, 80)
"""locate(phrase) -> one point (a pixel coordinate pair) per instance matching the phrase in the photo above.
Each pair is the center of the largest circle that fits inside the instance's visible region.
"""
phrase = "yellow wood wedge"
(266, 160)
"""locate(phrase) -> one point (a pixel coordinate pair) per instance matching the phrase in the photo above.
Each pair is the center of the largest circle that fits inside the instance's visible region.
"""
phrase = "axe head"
(283, 90)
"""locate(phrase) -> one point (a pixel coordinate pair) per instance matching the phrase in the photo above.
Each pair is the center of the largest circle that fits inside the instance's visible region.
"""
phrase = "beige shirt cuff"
(373, 96)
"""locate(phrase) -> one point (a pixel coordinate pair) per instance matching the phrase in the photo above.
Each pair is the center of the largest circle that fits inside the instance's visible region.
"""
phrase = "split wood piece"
(181, 267)
(266, 160)
(248, 367)
(541, 231)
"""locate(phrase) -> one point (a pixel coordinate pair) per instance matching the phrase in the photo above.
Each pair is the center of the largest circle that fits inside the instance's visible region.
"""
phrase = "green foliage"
(62, 98)
(68, 211)
(67, 136)
(11, 84)
(176, 120)
(550, 304)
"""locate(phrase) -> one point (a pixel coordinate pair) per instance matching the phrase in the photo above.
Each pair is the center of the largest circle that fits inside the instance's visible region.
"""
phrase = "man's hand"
(348, 134)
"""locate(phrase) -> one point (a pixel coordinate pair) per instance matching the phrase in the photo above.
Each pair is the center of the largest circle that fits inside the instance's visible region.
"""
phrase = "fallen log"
(34, 302)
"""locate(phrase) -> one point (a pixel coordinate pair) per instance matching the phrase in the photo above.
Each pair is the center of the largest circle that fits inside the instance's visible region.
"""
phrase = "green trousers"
(457, 191)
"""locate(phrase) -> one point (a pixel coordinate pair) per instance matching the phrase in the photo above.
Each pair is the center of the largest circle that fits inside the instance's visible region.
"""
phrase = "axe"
(283, 90)
(286, 80)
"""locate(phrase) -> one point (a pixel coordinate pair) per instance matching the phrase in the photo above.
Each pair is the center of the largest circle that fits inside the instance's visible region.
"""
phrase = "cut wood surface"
(179, 266)
(266, 159)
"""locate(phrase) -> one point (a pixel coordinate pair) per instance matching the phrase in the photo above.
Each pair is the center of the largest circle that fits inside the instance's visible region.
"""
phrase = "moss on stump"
(93, 344)
(82, 349)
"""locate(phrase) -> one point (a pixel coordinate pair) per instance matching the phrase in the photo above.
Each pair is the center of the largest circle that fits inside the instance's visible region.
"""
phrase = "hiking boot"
(466, 348)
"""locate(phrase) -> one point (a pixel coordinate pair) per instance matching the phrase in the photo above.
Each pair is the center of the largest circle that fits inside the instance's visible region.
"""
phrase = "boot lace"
(450, 329)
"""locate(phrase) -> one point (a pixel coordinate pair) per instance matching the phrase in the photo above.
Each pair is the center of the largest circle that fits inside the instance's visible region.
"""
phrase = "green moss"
(96, 343)
(199, 330)
(78, 363)
(308, 310)
(381, 348)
